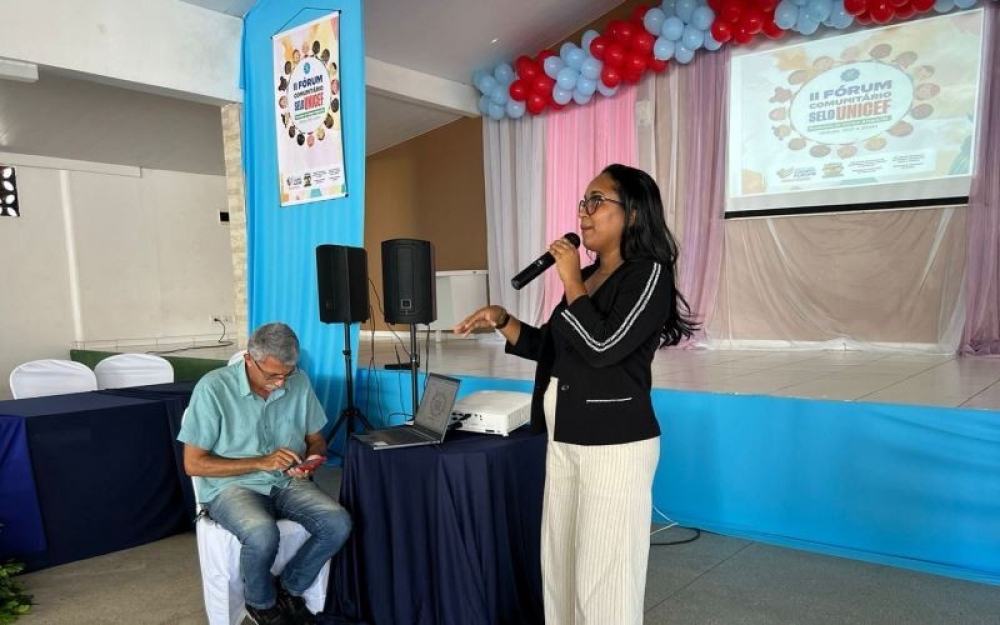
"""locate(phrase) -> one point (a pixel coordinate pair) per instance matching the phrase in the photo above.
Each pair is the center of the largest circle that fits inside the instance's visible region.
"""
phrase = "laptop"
(430, 424)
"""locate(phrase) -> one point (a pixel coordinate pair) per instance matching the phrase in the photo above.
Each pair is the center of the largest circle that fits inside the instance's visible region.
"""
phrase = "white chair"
(122, 370)
(238, 356)
(219, 556)
(51, 377)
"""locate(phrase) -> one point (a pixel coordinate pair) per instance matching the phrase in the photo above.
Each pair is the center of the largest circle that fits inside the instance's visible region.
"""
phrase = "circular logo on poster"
(851, 102)
(309, 95)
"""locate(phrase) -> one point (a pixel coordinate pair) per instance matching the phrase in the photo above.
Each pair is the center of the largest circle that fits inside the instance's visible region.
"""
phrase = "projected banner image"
(884, 115)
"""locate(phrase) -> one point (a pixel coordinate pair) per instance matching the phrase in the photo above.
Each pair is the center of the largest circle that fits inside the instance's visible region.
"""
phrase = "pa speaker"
(408, 281)
(342, 276)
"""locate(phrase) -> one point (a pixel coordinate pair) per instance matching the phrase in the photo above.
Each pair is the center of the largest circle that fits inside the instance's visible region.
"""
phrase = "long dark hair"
(646, 236)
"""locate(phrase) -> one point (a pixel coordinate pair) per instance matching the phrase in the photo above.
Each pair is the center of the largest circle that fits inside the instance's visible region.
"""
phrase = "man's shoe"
(273, 615)
(294, 608)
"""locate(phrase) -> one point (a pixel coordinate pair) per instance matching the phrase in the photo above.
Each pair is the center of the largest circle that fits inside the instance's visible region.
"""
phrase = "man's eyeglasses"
(590, 204)
(274, 377)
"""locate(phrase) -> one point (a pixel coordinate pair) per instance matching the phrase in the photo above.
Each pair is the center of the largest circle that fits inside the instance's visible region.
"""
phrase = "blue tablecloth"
(104, 474)
(443, 535)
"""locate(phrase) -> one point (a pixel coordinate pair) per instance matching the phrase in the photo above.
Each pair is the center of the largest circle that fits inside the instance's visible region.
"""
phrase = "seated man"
(247, 425)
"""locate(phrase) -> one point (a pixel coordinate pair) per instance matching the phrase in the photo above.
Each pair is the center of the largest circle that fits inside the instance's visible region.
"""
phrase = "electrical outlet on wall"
(222, 318)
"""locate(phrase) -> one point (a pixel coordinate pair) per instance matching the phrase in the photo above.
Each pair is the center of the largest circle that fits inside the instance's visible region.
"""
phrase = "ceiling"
(448, 39)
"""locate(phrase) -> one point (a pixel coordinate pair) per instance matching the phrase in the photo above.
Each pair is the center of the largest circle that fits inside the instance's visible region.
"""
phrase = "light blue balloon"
(653, 21)
(818, 10)
(575, 58)
(586, 86)
(515, 109)
(605, 90)
(552, 65)
(496, 112)
(786, 14)
(561, 96)
(943, 6)
(591, 68)
(588, 38)
(565, 49)
(566, 79)
(484, 105)
(499, 95)
(581, 99)
(673, 29)
(683, 55)
(488, 84)
(800, 3)
(692, 38)
(711, 44)
(685, 9)
(667, 6)
(806, 25)
(504, 74)
(663, 49)
(477, 77)
(965, 4)
(702, 18)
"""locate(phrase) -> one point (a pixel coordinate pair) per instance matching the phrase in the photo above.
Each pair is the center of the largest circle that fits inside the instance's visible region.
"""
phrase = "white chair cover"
(123, 370)
(219, 556)
(51, 377)
(237, 356)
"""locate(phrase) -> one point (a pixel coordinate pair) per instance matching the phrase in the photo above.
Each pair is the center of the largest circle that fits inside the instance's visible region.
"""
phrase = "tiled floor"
(897, 378)
(853, 376)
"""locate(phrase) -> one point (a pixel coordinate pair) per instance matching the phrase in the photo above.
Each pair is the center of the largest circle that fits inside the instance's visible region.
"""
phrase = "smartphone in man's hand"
(308, 465)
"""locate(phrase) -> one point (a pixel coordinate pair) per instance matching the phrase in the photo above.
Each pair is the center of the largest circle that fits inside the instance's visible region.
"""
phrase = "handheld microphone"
(544, 261)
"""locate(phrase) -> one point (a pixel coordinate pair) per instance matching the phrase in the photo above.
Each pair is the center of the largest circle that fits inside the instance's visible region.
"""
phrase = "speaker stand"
(414, 366)
(350, 412)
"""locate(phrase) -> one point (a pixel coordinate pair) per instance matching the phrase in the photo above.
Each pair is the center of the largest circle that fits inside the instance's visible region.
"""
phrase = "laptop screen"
(436, 404)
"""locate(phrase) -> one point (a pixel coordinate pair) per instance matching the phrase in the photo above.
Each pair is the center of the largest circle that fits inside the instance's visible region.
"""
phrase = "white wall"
(107, 255)
(161, 46)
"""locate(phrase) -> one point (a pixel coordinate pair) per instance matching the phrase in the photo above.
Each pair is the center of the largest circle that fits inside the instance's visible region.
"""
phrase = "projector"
(493, 412)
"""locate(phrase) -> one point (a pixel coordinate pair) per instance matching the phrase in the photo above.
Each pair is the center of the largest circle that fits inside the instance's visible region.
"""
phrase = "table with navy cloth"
(85, 474)
(443, 535)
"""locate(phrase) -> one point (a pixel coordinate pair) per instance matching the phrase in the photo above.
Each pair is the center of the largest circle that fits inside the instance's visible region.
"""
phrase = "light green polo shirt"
(229, 420)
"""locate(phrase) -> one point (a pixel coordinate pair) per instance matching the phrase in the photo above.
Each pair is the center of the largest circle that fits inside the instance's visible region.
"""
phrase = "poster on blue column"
(307, 102)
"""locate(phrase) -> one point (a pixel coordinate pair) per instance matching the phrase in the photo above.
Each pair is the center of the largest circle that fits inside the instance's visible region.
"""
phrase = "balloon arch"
(675, 31)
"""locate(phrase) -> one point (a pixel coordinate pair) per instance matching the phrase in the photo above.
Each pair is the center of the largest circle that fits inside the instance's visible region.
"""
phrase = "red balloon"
(610, 76)
(530, 71)
(658, 66)
(535, 104)
(863, 18)
(772, 30)
(611, 30)
(905, 12)
(544, 54)
(639, 12)
(753, 20)
(555, 106)
(634, 64)
(767, 6)
(731, 10)
(715, 5)
(881, 12)
(923, 5)
(632, 77)
(899, 3)
(741, 35)
(599, 46)
(642, 42)
(519, 90)
(614, 55)
(857, 7)
(722, 31)
(543, 85)
(626, 30)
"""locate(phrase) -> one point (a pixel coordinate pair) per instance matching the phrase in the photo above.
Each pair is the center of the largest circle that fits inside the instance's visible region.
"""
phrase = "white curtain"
(515, 210)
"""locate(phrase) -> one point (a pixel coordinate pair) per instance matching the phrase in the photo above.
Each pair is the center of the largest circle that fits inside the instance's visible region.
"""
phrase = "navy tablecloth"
(443, 535)
(104, 475)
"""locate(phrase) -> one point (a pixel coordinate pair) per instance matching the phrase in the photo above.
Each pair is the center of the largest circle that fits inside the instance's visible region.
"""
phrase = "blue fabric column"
(281, 242)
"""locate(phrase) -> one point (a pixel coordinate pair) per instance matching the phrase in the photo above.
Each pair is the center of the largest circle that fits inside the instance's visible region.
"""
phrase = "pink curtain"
(704, 172)
(581, 141)
(981, 335)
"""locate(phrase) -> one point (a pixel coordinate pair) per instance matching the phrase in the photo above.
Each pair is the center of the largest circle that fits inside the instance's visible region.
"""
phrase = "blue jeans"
(252, 518)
